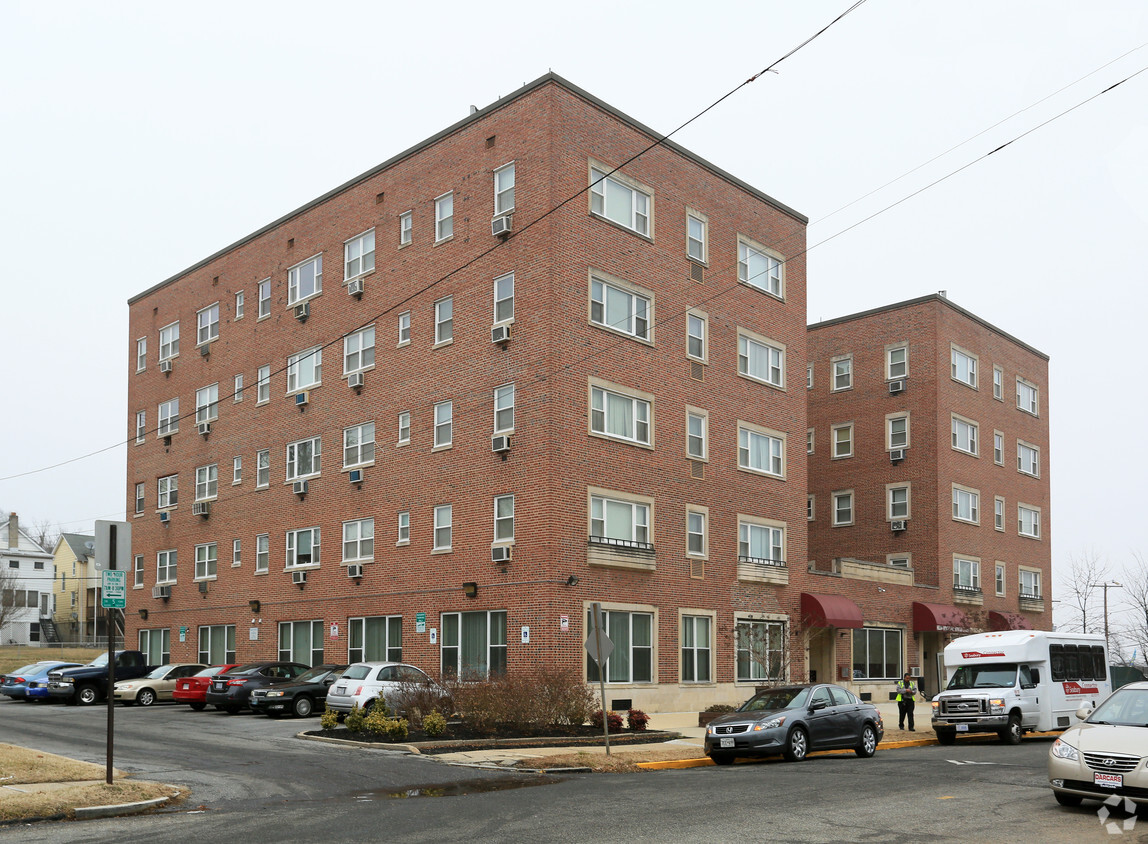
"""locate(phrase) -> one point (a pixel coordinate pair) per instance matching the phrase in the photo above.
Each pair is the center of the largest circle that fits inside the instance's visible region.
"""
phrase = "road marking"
(967, 762)
(947, 797)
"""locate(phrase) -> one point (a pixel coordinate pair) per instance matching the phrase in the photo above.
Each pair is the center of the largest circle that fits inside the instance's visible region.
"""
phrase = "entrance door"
(822, 658)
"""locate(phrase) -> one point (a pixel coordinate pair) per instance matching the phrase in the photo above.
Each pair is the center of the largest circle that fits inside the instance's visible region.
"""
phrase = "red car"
(193, 690)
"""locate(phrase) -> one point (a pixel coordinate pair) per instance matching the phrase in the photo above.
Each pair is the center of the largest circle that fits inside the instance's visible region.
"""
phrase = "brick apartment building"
(928, 486)
(316, 409)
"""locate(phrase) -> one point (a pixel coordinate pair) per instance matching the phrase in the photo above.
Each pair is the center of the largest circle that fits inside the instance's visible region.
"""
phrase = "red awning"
(1008, 621)
(830, 611)
(939, 618)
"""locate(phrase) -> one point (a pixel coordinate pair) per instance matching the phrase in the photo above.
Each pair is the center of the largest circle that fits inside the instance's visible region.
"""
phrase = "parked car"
(158, 685)
(300, 697)
(1105, 753)
(15, 683)
(365, 682)
(791, 721)
(193, 690)
(230, 691)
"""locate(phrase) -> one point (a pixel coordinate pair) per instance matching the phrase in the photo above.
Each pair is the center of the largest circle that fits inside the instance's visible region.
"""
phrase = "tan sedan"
(158, 685)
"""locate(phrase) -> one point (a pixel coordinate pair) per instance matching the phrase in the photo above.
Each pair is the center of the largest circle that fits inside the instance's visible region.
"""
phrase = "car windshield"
(210, 672)
(27, 669)
(250, 668)
(102, 659)
(159, 673)
(357, 672)
(314, 675)
(1127, 707)
(775, 699)
(999, 675)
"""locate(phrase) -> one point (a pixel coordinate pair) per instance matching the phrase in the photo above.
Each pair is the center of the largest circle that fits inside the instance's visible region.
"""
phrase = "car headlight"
(771, 724)
(936, 705)
(996, 705)
(275, 694)
(1063, 750)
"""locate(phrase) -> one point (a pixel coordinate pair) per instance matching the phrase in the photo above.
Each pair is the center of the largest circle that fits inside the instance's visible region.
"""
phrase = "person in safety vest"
(906, 694)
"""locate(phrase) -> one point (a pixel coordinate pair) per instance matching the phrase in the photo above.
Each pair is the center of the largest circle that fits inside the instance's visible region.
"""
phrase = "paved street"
(251, 780)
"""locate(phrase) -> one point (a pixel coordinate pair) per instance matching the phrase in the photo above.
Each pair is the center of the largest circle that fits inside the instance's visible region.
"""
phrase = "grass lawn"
(13, 657)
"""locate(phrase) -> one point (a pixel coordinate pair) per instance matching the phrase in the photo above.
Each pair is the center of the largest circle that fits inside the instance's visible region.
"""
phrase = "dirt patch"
(619, 761)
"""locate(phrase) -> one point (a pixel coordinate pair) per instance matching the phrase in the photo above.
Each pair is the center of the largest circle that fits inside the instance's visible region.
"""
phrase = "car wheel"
(146, 697)
(947, 736)
(1013, 733)
(198, 707)
(722, 758)
(868, 745)
(87, 695)
(303, 707)
(1067, 799)
(797, 745)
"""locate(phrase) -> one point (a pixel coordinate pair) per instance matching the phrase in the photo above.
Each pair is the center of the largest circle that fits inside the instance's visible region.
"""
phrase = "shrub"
(720, 708)
(396, 729)
(612, 718)
(527, 700)
(413, 700)
(355, 719)
(637, 720)
(377, 720)
(329, 719)
(434, 725)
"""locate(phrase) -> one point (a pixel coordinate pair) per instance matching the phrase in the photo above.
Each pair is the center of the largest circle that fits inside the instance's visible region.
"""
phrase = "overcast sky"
(138, 138)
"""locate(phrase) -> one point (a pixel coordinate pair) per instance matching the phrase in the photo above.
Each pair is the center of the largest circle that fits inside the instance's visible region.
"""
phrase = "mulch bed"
(459, 738)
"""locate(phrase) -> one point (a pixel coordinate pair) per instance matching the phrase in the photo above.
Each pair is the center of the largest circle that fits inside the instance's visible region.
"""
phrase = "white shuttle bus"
(1018, 680)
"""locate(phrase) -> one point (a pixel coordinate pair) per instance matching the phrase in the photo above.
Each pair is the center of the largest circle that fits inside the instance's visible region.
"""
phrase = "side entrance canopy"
(939, 618)
(1008, 621)
(830, 611)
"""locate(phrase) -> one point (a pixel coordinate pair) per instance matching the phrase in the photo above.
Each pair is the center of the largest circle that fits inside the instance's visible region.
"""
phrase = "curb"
(405, 748)
(112, 811)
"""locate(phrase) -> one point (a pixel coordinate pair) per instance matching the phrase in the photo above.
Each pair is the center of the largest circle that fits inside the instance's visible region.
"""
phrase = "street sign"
(114, 591)
(420, 622)
(113, 545)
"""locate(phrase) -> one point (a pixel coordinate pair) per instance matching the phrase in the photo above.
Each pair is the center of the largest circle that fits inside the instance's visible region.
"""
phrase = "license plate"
(962, 728)
(1108, 780)
(727, 742)
(340, 689)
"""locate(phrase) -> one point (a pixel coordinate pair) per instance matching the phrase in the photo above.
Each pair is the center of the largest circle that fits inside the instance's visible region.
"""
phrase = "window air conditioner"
(299, 487)
(356, 476)
(203, 586)
(205, 428)
(161, 592)
(355, 571)
(302, 398)
(914, 671)
(165, 517)
(500, 554)
(355, 288)
(500, 334)
(500, 444)
(298, 577)
(355, 380)
(302, 311)
(201, 508)
(897, 386)
(898, 525)
(500, 226)
(165, 366)
(896, 455)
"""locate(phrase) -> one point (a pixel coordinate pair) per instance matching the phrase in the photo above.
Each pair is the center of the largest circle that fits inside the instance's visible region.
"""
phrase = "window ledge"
(402, 343)
(614, 556)
(446, 447)
(974, 598)
(601, 436)
(442, 550)
(446, 239)
(752, 572)
(291, 305)
(443, 343)
(622, 226)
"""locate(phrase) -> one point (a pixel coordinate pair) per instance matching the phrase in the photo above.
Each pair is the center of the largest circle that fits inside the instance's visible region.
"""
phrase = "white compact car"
(365, 682)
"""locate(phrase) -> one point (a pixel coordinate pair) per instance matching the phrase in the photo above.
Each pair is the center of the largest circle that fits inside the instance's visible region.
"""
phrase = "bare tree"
(1133, 632)
(1085, 569)
(11, 602)
(45, 534)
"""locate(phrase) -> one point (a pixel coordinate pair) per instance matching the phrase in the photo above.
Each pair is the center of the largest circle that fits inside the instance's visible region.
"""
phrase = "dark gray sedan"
(792, 721)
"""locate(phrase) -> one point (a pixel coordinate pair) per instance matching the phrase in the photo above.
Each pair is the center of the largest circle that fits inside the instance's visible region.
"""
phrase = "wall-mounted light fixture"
(470, 589)
(143, 614)
(572, 580)
(254, 606)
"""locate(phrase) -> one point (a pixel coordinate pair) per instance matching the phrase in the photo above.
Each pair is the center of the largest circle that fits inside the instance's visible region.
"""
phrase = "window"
(1027, 397)
(443, 424)
(236, 553)
(404, 328)
(632, 660)
(998, 383)
(842, 441)
(305, 369)
(444, 320)
(168, 417)
(443, 515)
(264, 298)
(696, 336)
(239, 305)
(897, 363)
(964, 435)
(406, 227)
(759, 451)
(303, 547)
(1028, 521)
(898, 431)
(757, 268)
(206, 558)
(619, 416)
(696, 425)
(877, 654)
(760, 543)
(404, 427)
(377, 638)
(696, 533)
(207, 324)
(1027, 459)
(263, 385)
(359, 351)
(217, 644)
(964, 367)
(167, 492)
(504, 409)
(300, 641)
(966, 575)
(207, 404)
(263, 468)
(617, 522)
(504, 518)
(810, 507)
(842, 508)
(760, 647)
(444, 217)
(404, 528)
(966, 504)
(237, 393)
(998, 513)
(305, 280)
(141, 425)
(696, 646)
(139, 498)
(998, 448)
(504, 298)
(359, 445)
(141, 354)
(1030, 584)
(169, 341)
(618, 309)
(760, 361)
(473, 644)
(898, 502)
(303, 458)
(262, 552)
(165, 567)
(358, 540)
(1000, 584)
(206, 482)
(619, 201)
(504, 189)
(842, 374)
(156, 646)
(359, 255)
(137, 571)
(809, 440)
(236, 470)
(696, 227)
(809, 376)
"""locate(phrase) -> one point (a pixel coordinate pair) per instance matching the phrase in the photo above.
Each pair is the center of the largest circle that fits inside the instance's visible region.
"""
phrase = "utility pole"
(1106, 586)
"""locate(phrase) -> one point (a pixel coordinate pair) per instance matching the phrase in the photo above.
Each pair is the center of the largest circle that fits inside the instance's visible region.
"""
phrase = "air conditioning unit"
(500, 444)
(914, 671)
(165, 517)
(898, 525)
(205, 350)
(500, 334)
(500, 554)
(353, 571)
(203, 586)
(165, 366)
(201, 508)
(897, 386)
(161, 592)
(355, 380)
(299, 487)
(302, 311)
(298, 577)
(500, 226)
(205, 428)
(355, 288)
(302, 398)
(356, 476)
(896, 455)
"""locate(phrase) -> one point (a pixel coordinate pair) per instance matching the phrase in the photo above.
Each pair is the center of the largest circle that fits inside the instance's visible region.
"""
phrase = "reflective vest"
(905, 691)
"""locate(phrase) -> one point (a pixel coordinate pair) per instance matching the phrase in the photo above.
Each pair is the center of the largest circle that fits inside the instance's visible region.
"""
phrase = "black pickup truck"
(88, 684)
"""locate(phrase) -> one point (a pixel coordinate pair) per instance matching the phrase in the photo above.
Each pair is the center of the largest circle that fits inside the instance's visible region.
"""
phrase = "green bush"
(355, 719)
(397, 729)
(377, 721)
(329, 719)
(434, 724)
(719, 707)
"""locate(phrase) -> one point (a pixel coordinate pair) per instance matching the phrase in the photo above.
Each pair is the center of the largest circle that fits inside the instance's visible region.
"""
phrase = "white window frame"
(1001, 577)
(359, 445)
(404, 328)
(697, 533)
(697, 655)
(697, 336)
(809, 376)
(844, 507)
(305, 364)
(206, 561)
(444, 321)
(1031, 515)
(998, 383)
(141, 425)
(770, 278)
(504, 520)
(264, 299)
(964, 366)
(444, 217)
(406, 228)
(305, 280)
(168, 417)
(965, 435)
(756, 534)
(236, 470)
(169, 341)
(838, 442)
(298, 472)
(359, 255)
(966, 574)
(1028, 459)
(207, 403)
(637, 408)
(239, 304)
(504, 400)
(895, 439)
(638, 321)
(443, 536)
(359, 540)
(236, 553)
(262, 552)
(751, 348)
(237, 392)
(167, 492)
(443, 424)
(899, 501)
(998, 448)
(750, 435)
(966, 505)
(263, 468)
(404, 528)
(504, 189)
(1032, 590)
(697, 434)
(504, 299)
(166, 563)
(896, 370)
(998, 513)
(141, 354)
(359, 350)
(140, 496)
(207, 324)
(606, 530)
(697, 236)
(137, 573)
(841, 374)
(207, 482)
(810, 507)
(404, 427)
(263, 385)
(1027, 396)
(293, 538)
(608, 201)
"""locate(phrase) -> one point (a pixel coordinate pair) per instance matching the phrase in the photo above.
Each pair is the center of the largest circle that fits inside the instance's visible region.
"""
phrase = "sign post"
(113, 543)
(599, 646)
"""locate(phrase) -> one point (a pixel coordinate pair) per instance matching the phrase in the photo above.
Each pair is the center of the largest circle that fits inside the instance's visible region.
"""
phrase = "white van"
(1019, 680)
